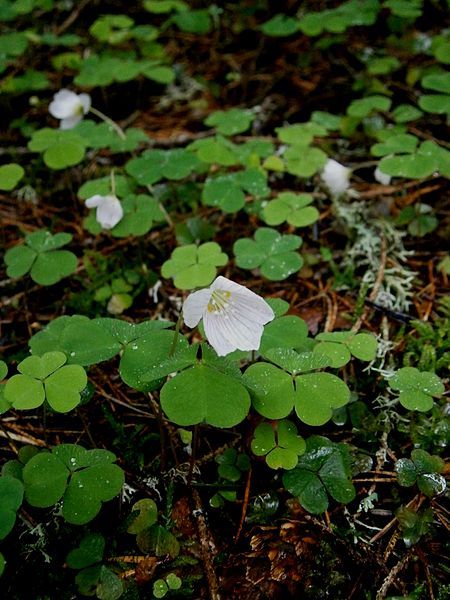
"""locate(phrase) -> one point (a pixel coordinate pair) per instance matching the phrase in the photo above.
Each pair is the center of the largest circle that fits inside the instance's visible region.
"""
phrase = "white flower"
(233, 316)
(336, 177)
(109, 210)
(381, 177)
(69, 107)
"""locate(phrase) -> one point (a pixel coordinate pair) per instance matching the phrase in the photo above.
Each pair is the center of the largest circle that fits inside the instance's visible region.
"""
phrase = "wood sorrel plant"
(252, 155)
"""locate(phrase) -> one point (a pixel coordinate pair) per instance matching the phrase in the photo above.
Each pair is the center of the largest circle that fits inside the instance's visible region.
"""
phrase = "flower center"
(219, 301)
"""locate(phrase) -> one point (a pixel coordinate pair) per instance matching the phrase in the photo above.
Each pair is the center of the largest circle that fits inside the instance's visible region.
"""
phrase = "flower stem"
(163, 210)
(173, 347)
(106, 119)
(113, 183)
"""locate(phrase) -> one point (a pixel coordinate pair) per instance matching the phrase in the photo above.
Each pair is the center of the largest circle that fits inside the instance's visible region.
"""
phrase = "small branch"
(72, 17)
(244, 505)
(208, 547)
(381, 594)
(382, 532)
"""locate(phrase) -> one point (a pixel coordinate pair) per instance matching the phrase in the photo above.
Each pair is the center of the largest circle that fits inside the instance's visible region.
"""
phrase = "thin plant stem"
(173, 347)
(106, 119)
(113, 183)
(163, 210)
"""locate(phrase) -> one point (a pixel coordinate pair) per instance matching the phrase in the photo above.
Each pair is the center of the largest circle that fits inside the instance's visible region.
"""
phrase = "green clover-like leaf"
(63, 388)
(223, 192)
(154, 165)
(87, 489)
(439, 154)
(41, 367)
(324, 469)
(403, 143)
(317, 394)
(364, 106)
(60, 148)
(416, 388)
(271, 389)
(337, 20)
(300, 134)
(216, 150)
(288, 331)
(228, 191)
(304, 161)
(112, 29)
(24, 392)
(404, 113)
(40, 257)
(295, 363)
(281, 445)
(125, 186)
(339, 346)
(193, 21)
(103, 70)
(194, 266)
(89, 552)
(146, 359)
(439, 82)
(83, 479)
(46, 378)
(280, 26)
(383, 65)
(159, 541)
(10, 175)
(160, 588)
(140, 213)
(411, 166)
(45, 479)
(230, 122)
(202, 394)
(11, 496)
(103, 135)
(29, 81)
(144, 514)
(83, 341)
(295, 209)
(173, 581)
(124, 332)
(435, 103)
(272, 252)
(423, 469)
(3, 369)
(231, 464)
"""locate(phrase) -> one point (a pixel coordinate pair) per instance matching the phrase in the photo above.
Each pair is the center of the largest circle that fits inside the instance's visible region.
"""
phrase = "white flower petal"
(253, 308)
(246, 302)
(70, 122)
(233, 316)
(195, 306)
(381, 177)
(64, 104)
(336, 177)
(85, 101)
(94, 201)
(215, 336)
(109, 212)
(222, 283)
(243, 334)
